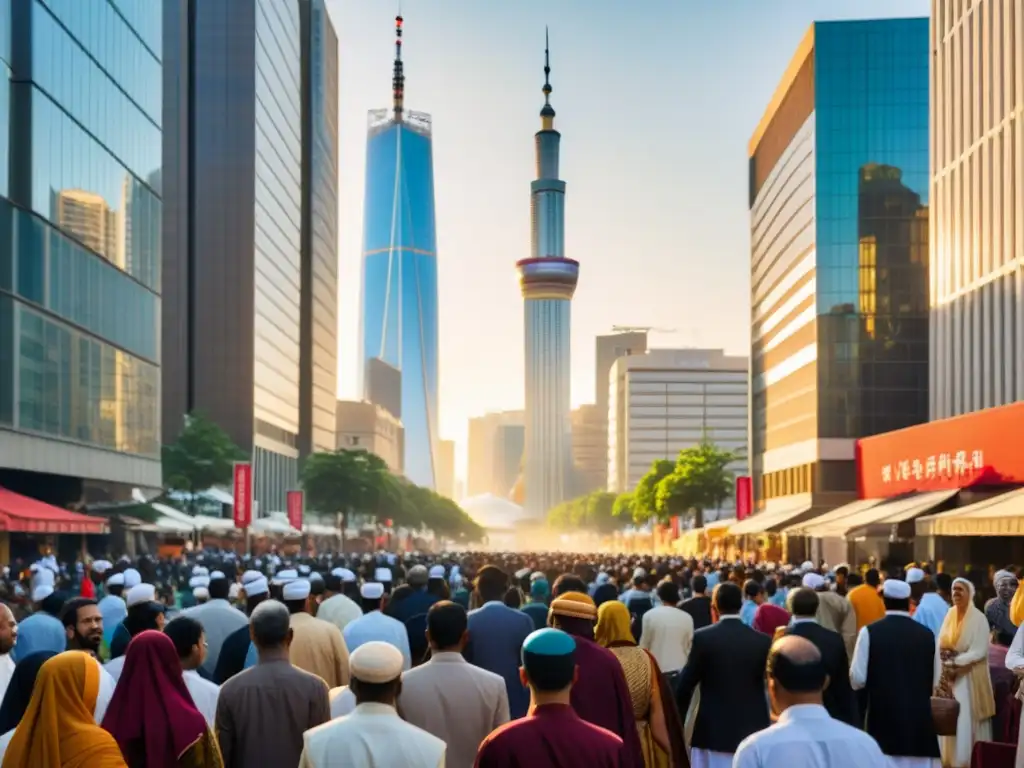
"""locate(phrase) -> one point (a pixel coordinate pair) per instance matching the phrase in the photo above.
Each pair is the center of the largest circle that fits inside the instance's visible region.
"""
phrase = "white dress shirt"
(6, 670)
(373, 736)
(668, 634)
(805, 736)
(204, 694)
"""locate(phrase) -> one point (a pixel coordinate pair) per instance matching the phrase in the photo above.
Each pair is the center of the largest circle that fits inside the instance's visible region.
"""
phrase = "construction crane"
(640, 329)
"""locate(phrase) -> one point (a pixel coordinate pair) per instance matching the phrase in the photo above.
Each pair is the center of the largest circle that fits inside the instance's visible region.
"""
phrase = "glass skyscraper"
(80, 222)
(839, 257)
(399, 313)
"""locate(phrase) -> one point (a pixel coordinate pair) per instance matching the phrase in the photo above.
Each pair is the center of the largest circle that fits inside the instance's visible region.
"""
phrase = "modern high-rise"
(608, 349)
(977, 193)
(446, 468)
(495, 453)
(548, 281)
(233, 234)
(399, 313)
(666, 400)
(80, 214)
(318, 353)
(366, 426)
(589, 449)
(839, 258)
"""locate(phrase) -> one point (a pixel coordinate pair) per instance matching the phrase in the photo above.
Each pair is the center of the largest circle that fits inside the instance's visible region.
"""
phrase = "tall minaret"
(548, 282)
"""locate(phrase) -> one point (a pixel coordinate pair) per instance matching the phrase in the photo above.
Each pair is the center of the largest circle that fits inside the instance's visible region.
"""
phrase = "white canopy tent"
(493, 513)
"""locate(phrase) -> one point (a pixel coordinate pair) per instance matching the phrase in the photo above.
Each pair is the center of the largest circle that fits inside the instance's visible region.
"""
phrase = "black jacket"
(728, 661)
(839, 698)
(699, 608)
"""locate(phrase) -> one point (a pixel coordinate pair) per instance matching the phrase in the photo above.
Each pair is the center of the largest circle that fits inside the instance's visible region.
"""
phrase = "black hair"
(699, 584)
(332, 583)
(186, 633)
(944, 582)
(380, 693)
(491, 583)
(251, 601)
(854, 580)
(892, 604)
(439, 588)
(668, 592)
(53, 604)
(549, 673)
(771, 587)
(728, 598)
(752, 589)
(115, 589)
(295, 606)
(803, 602)
(69, 612)
(142, 616)
(219, 589)
(513, 597)
(446, 623)
(568, 582)
(872, 578)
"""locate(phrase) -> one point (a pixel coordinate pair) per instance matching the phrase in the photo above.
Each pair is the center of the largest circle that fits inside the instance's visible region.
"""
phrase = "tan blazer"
(456, 702)
(319, 647)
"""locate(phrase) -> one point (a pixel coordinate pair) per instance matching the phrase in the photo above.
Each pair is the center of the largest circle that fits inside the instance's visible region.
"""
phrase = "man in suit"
(728, 662)
(496, 635)
(838, 696)
(449, 697)
(698, 606)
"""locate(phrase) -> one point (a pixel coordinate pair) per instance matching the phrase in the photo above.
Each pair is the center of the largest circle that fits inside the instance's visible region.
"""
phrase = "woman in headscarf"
(997, 610)
(963, 648)
(58, 729)
(19, 690)
(654, 710)
(152, 716)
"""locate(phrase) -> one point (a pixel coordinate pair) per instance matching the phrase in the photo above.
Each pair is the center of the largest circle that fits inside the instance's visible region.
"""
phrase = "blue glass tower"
(400, 267)
(548, 281)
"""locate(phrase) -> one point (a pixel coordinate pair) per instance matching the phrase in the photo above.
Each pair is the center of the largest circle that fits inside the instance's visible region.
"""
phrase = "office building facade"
(446, 468)
(233, 244)
(399, 312)
(589, 449)
(667, 400)
(839, 267)
(495, 453)
(80, 282)
(977, 193)
(364, 426)
(608, 349)
(548, 281)
(318, 354)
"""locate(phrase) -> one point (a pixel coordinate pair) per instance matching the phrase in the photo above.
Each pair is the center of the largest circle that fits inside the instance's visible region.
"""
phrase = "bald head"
(270, 624)
(796, 673)
(798, 650)
(8, 629)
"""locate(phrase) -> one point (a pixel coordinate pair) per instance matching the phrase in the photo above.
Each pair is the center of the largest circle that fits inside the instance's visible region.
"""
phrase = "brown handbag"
(944, 715)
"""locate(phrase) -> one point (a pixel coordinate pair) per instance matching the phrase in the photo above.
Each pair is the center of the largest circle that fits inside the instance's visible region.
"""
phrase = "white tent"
(172, 519)
(493, 513)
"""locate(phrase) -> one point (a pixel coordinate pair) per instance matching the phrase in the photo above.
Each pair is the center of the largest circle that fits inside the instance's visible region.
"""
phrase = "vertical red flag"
(243, 494)
(296, 500)
(744, 497)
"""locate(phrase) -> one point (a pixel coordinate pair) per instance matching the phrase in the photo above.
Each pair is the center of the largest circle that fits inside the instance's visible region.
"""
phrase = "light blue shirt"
(634, 594)
(712, 579)
(39, 632)
(376, 626)
(747, 612)
(779, 598)
(931, 612)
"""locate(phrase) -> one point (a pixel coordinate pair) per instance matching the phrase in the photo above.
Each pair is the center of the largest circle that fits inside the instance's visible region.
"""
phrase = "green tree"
(202, 456)
(348, 482)
(592, 512)
(645, 495)
(701, 480)
(624, 506)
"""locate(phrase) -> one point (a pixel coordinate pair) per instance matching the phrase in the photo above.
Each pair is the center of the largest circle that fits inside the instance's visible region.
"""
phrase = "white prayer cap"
(296, 590)
(199, 582)
(41, 591)
(437, 571)
(116, 580)
(807, 565)
(316, 576)
(392, 559)
(304, 570)
(233, 591)
(914, 575)
(250, 576)
(337, 572)
(537, 575)
(132, 578)
(256, 587)
(285, 576)
(522, 573)
(101, 566)
(813, 580)
(141, 593)
(895, 589)
(602, 578)
(201, 593)
(200, 570)
(376, 662)
(372, 590)
(639, 573)
(382, 574)
(34, 567)
(217, 575)
(346, 575)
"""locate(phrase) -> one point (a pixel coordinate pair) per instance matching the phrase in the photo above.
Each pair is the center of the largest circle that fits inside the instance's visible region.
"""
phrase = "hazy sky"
(656, 101)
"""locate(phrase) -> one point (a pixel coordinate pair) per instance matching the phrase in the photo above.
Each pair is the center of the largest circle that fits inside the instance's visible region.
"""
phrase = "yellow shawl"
(953, 637)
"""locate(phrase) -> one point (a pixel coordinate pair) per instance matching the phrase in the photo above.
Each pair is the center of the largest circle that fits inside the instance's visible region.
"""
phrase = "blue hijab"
(39, 632)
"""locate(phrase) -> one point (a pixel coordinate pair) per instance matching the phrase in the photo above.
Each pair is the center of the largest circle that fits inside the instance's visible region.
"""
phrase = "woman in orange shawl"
(654, 709)
(58, 729)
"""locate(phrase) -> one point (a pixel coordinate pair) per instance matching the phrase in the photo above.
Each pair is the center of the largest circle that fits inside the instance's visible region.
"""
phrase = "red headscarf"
(152, 712)
(770, 617)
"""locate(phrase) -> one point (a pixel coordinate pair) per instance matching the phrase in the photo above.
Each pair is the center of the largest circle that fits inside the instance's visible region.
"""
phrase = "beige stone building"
(364, 425)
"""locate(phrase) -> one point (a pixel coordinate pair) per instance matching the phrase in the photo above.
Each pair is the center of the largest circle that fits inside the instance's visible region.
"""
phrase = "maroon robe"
(552, 736)
(601, 696)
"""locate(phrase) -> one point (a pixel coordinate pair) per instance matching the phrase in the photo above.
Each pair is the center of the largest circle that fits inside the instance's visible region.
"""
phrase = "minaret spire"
(547, 112)
(398, 76)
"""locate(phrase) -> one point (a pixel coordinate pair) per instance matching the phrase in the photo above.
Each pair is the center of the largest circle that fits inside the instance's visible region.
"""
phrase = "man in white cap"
(373, 736)
(38, 632)
(384, 576)
(317, 646)
(145, 611)
(219, 619)
(337, 607)
(897, 663)
(374, 625)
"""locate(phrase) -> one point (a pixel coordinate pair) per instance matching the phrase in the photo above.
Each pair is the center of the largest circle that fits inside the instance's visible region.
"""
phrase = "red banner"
(296, 501)
(243, 494)
(982, 448)
(744, 497)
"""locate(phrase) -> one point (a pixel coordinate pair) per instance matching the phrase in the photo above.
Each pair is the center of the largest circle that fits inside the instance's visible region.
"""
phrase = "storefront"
(29, 527)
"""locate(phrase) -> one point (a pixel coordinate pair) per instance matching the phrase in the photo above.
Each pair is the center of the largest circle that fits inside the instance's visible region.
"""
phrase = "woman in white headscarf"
(963, 648)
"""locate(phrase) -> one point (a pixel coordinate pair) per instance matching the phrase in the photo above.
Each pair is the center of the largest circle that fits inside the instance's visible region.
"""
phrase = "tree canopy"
(699, 479)
(594, 512)
(347, 482)
(201, 456)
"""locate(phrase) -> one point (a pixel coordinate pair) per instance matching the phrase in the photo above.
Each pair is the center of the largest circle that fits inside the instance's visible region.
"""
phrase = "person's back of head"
(873, 578)
(699, 584)
(447, 626)
(549, 665)
(668, 593)
(568, 582)
(513, 597)
(752, 590)
(491, 583)
(219, 588)
(270, 626)
(944, 582)
(854, 580)
(187, 635)
(771, 588)
(803, 603)
(796, 673)
(727, 599)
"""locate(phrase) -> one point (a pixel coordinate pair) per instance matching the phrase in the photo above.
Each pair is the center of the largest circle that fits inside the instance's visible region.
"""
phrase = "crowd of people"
(472, 659)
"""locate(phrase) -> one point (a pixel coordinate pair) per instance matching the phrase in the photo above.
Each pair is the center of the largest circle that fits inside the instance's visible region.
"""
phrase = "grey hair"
(269, 623)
